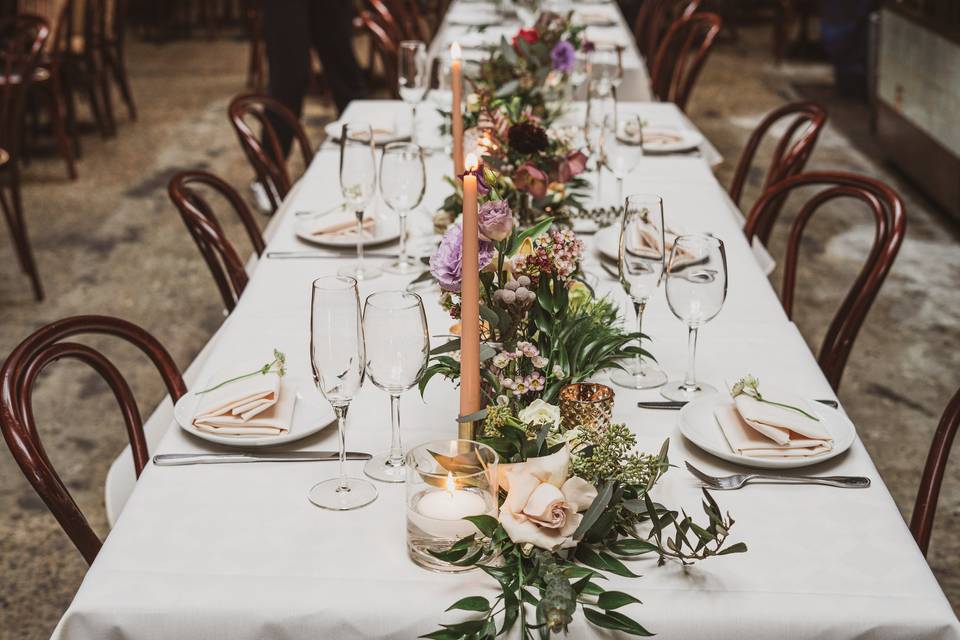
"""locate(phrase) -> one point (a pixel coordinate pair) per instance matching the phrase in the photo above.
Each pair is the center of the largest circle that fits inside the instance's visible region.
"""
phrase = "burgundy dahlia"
(527, 137)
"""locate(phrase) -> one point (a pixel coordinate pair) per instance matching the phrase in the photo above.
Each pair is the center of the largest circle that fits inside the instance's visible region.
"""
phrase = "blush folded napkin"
(255, 406)
(342, 224)
(648, 245)
(759, 429)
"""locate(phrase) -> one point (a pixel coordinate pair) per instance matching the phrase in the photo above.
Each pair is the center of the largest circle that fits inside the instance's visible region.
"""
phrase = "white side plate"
(387, 229)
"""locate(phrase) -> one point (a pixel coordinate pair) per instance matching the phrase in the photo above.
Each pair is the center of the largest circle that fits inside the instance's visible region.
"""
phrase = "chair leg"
(103, 81)
(18, 231)
(89, 78)
(119, 67)
(70, 102)
(59, 127)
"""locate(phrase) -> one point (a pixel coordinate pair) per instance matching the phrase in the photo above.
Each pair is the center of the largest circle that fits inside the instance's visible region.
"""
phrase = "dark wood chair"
(217, 250)
(22, 39)
(387, 48)
(654, 19)
(925, 508)
(17, 378)
(257, 59)
(681, 56)
(105, 29)
(269, 164)
(890, 224)
(408, 17)
(793, 149)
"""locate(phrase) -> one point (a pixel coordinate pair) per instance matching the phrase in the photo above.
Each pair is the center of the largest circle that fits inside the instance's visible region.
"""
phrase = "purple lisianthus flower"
(446, 264)
(562, 56)
(482, 187)
(496, 220)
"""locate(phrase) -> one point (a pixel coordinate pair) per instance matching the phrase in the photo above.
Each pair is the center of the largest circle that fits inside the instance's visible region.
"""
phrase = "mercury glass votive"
(446, 481)
(586, 404)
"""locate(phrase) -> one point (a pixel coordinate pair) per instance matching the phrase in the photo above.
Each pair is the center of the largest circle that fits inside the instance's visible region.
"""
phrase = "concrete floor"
(112, 243)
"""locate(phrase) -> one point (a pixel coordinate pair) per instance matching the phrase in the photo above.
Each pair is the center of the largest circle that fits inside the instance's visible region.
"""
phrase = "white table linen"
(237, 551)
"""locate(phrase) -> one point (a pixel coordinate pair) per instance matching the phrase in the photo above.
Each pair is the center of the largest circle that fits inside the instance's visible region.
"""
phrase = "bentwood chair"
(269, 164)
(22, 39)
(408, 17)
(387, 47)
(681, 56)
(793, 149)
(925, 508)
(221, 256)
(654, 19)
(257, 59)
(890, 223)
(105, 29)
(17, 379)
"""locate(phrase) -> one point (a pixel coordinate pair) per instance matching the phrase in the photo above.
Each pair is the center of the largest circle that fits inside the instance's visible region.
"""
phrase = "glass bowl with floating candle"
(447, 481)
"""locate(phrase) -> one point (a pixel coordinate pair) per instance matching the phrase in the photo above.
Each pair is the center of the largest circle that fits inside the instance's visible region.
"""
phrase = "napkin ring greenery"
(750, 386)
(278, 365)
(578, 505)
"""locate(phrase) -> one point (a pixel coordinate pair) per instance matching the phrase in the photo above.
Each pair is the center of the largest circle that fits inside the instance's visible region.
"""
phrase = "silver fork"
(739, 479)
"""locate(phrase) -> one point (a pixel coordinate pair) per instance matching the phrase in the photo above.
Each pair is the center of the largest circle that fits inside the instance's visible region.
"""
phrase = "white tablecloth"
(236, 551)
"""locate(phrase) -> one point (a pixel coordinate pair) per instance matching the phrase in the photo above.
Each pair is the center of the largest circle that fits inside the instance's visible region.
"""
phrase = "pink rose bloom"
(496, 220)
(530, 179)
(573, 165)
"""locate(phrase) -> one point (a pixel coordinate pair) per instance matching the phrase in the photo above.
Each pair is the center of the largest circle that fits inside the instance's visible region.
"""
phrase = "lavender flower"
(562, 56)
(496, 220)
(446, 264)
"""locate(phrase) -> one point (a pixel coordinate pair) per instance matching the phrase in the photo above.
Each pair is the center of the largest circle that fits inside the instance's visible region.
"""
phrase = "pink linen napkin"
(746, 440)
(342, 225)
(257, 405)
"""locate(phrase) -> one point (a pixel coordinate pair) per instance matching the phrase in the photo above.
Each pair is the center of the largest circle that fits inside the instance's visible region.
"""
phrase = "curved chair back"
(22, 40)
(654, 18)
(17, 379)
(268, 164)
(387, 46)
(793, 150)
(217, 250)
(890, 225)
(408, 18)
(925, 508)
(681, 57)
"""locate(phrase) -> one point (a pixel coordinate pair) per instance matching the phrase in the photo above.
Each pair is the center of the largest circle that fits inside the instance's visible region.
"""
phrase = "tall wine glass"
(527, 11)
(402, 183)
(696, 290)
(412, 78)
(642, 259)
(337, 358)
(621, 150)
(606, 66)
(398, 347)
(358, 184)
(599, 105)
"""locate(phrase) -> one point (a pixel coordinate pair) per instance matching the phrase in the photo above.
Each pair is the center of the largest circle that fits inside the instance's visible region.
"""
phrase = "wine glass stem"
(690, 381)
(403, 237)
(341, 412)
(359, 241)
(599, 183)
(396, 447)
(413, 123)
(639, 308)
(619, 192)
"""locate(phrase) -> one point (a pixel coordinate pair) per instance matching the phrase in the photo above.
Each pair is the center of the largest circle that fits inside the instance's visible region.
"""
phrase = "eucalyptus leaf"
(614, 600)
(476, 603)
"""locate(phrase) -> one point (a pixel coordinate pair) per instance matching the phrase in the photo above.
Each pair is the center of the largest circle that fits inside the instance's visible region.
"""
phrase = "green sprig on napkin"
(750, 386)
(278, 365)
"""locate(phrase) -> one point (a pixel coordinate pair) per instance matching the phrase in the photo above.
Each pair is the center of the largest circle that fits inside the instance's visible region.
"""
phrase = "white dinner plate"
(658, 140)
(607, 241)
(382, 133)
(474, 19)
(311, 413)
(387, 229)
(699, 426)
(594, 20)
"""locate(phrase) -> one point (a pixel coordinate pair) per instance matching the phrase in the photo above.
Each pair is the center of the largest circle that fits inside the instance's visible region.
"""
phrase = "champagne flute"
(358, 184)
(599, 106)
(398, 347)
(642, 257)
(696, 290)
(412, 78)
(402, 183)
(337, 358)
(620, 149)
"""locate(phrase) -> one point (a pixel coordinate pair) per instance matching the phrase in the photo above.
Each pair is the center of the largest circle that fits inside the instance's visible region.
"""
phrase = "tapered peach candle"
(470, 303)
(456, 81)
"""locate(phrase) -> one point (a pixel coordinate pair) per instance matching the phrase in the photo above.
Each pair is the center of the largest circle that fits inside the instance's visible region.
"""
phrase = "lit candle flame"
(470, 164)
(455, 52)
(451, 485)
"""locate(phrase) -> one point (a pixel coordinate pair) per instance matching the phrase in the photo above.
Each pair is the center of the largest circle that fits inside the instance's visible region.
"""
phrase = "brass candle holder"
(586, 404)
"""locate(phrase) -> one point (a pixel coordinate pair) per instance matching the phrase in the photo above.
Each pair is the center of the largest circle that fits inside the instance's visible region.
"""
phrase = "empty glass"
(527, 11)
(398, 347)
(358, 184)
(412, 78)
(402, 183)
(337, 359)
(620, 149)
(642, 260)
(599, 106)
(696, 290)
(605, 64)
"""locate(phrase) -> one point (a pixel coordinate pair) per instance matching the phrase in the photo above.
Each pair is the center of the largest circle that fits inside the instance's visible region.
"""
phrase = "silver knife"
(171, 459)
(288, 255)
(679, 404)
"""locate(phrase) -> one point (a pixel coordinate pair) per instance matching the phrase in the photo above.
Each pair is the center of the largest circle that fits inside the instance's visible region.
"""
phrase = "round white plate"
(664, 140)
(473, 19)
(593, 20)
(311, 413)
(607, 241)
(699, 426)
(381, 136)
(386, 230)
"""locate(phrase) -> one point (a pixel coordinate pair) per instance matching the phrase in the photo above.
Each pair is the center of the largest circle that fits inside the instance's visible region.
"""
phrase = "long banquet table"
(237, 551)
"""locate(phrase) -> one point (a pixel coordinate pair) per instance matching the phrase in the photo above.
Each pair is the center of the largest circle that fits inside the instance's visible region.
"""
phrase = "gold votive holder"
(586, 404)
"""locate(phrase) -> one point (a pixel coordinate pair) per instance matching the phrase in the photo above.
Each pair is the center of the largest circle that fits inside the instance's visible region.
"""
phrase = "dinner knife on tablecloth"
(678, 404)
(172, 459)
